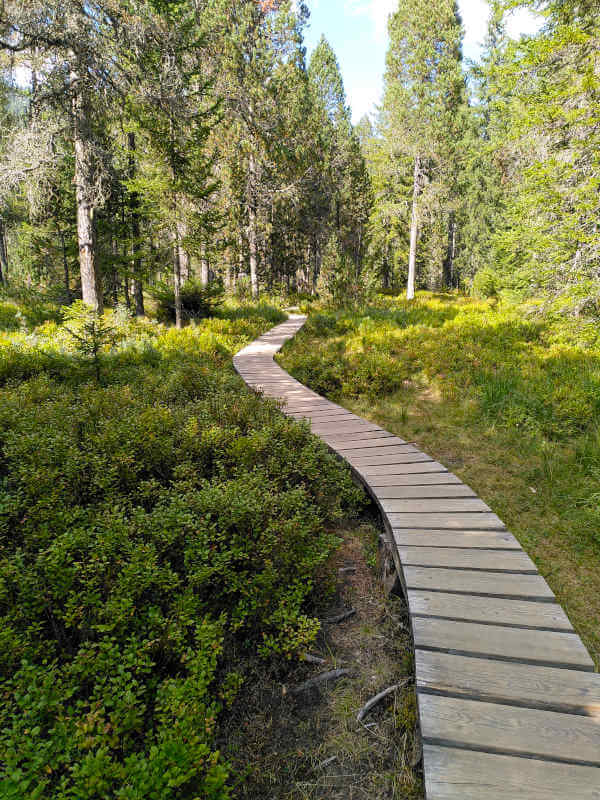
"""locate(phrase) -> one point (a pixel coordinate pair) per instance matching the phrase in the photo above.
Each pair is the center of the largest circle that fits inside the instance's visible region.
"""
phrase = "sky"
(357, 31)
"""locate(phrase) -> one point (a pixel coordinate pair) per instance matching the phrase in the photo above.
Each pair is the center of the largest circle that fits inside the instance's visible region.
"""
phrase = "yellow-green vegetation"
(160, 525)
(506, 396)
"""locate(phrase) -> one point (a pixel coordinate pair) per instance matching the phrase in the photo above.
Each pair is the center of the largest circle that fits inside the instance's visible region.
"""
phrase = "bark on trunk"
(450, 254)
(177, 281)
(91, 283)
(134, 207)
(414, 233)
(115, 288)
(184, 258)
(66, 268)
(3, 255)
(204, 276)
(252, 228)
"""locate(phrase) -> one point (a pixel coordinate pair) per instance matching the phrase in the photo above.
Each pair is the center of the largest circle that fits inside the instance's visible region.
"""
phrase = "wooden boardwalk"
(509, 702)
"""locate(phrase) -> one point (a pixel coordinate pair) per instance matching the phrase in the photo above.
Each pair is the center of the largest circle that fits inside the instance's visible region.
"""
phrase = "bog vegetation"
(172, 171)
(152, 523)
(506, 397)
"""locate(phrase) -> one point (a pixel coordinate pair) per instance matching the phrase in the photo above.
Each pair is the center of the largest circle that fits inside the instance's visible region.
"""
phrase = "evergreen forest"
(176, 176)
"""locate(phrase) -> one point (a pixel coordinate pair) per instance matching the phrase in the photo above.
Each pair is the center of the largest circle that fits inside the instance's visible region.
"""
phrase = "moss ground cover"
(505, 396)
(158, 525)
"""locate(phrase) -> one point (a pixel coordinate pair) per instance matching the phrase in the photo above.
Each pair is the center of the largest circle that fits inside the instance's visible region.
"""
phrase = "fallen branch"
(378, 698)
(312, 659)
(340, 617)
(327, 762)
(333, 675)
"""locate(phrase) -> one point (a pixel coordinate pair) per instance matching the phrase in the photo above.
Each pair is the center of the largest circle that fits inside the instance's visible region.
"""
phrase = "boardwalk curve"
(509, 702)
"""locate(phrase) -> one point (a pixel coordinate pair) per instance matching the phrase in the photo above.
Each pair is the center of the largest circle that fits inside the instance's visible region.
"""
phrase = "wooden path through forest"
(509, 702)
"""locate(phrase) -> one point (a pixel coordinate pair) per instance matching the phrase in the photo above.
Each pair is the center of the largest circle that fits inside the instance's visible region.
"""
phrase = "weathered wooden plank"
(547, 648)
(486, 540)
(461, 521)
(300, 411)
(484, 622)
(317, 402)
(331, 416)
(373, 439)
(352, 427)
(419, 492)
(323, 414)
(488, 610)
(520, 587)
(439, 478)
(355, 424)
(466, 558)
(494, 728)
(431, 505)
(453, 774)
(392, 460)
(332, 434)
(380, 452)
(570, 691)
(401, 469)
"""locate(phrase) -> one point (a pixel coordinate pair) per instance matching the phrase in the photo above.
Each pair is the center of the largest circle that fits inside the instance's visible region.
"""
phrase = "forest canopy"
(151, 143)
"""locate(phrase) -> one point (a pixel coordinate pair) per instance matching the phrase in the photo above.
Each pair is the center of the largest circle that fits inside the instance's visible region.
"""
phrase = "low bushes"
(197, 301)
(152, 524)
(506, 395)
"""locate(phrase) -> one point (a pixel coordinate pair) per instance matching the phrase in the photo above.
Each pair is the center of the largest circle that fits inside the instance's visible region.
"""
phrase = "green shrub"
(153, 531)
(486, 283)
(10, 317)
(197, 301)
(341, 284)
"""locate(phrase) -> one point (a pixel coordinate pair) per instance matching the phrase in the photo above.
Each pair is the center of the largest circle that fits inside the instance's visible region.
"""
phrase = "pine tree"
(347, 184)
(424, 110)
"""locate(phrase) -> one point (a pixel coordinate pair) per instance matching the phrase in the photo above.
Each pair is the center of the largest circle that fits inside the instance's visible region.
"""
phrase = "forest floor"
(505, 396)
(286, 744)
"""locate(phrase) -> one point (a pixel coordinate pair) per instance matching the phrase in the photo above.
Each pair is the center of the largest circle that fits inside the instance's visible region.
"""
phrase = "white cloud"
(374, 16)
(523, 22)
(377, 11)
(475, 14)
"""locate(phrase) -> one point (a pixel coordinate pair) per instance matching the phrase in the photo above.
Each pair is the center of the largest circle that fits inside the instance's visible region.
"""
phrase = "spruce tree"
(424, 109)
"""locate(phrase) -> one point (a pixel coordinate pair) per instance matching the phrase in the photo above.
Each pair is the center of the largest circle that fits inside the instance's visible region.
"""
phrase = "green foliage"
(486, 283)
(536, 376)
(538, 98)
(425, 123)
(26, 307)
(198, 302)
(509, 395)
(91, 333)
(153, 530)
(341, 282)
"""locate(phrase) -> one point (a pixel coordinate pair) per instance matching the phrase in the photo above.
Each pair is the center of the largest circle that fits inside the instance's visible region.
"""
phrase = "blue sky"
(357, 31)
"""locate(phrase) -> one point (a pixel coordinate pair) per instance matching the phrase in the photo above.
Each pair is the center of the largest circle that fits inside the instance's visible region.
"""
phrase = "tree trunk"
(253, 228)
(115, 288)
(204, 276)
(253, 249)
(66, 268)
(134, 208)
(3, 255)
(414, 233)
(228, 271)
(177, 281)
(184, 258)
(91, 283)
(450, 254)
